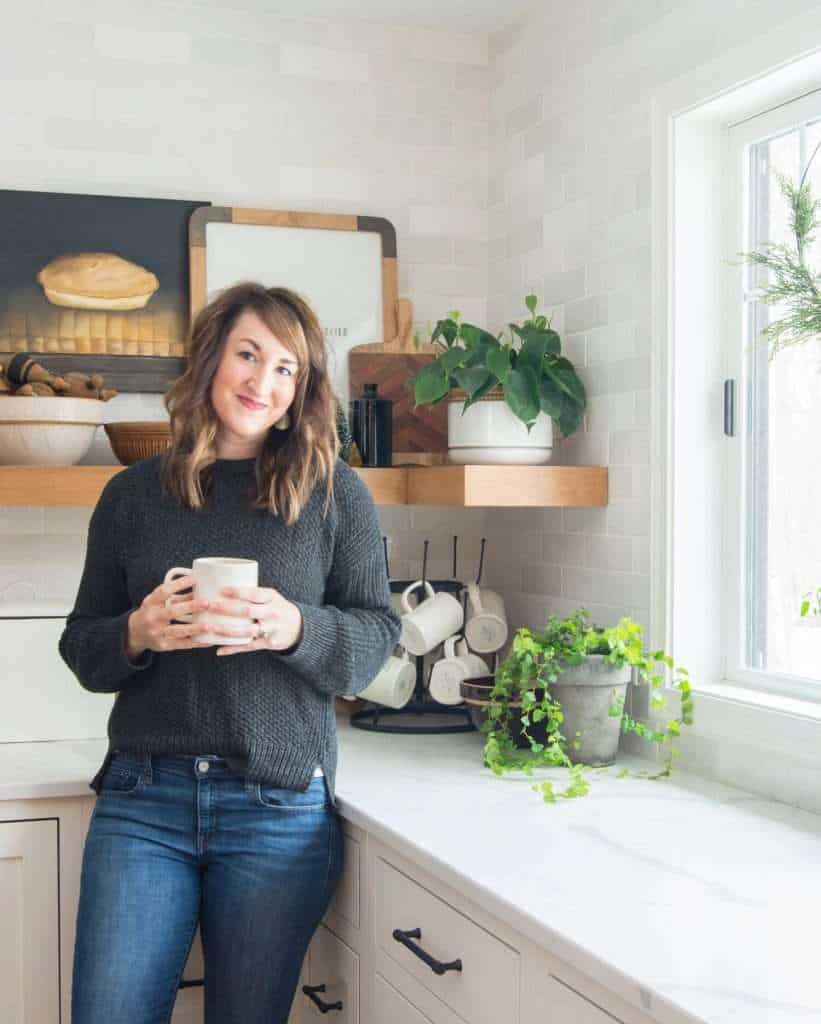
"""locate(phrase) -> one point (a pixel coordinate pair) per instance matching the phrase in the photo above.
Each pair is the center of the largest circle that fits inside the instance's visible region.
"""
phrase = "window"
(772, 523)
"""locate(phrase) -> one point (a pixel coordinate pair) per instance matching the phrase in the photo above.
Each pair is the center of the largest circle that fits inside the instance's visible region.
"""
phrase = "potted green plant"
(561, 693)
(510, 392)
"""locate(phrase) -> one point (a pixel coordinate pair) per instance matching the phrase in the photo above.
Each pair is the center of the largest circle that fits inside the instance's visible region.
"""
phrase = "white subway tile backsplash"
(118, 42)
(584, 314)
(630, 447)
(321, 62)
(608, 553)
(453, 221)
(562, 549)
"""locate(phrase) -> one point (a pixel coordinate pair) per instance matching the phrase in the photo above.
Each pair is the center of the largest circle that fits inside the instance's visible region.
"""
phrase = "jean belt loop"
(249, 786)
(147, 769)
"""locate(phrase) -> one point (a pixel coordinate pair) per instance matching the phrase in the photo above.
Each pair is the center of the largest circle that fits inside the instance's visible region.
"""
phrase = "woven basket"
(138, 440)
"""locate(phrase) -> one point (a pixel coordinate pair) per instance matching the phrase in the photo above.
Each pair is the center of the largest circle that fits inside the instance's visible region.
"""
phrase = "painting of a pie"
(97, 280)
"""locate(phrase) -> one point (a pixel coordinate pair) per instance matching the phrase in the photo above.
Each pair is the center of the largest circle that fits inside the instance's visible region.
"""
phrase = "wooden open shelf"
(463, 486)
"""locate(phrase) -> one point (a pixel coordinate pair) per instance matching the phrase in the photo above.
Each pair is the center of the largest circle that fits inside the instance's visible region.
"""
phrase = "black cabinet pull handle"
(311, 992)
(435, 965)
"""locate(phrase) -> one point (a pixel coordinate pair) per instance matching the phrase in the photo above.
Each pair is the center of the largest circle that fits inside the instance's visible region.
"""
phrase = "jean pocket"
(123, 776)
(278, 798)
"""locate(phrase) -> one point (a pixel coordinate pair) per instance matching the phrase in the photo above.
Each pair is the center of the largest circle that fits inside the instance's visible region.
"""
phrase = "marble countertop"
(690, 900)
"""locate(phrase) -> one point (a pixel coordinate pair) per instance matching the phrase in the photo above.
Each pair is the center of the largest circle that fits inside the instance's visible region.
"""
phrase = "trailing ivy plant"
(530, 369)
(522, 691)
(792, 283)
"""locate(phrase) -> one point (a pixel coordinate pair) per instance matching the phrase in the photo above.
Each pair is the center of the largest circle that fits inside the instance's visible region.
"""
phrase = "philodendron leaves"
(522, 394)
(498, 362)
(476, 381)
(534, 376)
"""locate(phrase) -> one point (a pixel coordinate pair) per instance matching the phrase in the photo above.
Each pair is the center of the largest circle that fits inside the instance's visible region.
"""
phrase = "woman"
(216, 796)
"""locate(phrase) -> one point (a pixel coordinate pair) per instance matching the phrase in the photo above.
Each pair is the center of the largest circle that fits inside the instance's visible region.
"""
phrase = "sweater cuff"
(119, 629)
(310, 652)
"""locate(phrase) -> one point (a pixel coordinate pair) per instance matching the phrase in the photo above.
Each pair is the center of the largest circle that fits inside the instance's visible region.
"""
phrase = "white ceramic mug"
(457, 664)
(430, 622)
(210, 576)
(393, 685)
(485, 620)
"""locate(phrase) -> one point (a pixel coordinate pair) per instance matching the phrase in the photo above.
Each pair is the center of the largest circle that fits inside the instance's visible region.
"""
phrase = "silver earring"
(283, 422)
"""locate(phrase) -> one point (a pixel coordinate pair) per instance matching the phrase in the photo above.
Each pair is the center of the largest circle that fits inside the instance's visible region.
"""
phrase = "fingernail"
(229, 591)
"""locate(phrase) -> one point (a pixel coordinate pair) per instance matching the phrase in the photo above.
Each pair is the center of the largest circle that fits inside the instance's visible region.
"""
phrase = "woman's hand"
(273, 622)
(150, 626)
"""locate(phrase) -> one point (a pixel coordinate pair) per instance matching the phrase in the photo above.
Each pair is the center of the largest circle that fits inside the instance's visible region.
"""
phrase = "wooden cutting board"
(420, 436)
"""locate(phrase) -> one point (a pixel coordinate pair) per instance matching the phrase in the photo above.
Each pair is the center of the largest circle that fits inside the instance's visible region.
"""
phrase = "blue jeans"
(172, 844)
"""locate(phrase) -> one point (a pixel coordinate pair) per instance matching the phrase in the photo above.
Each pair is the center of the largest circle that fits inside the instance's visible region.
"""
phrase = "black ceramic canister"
(371, 425)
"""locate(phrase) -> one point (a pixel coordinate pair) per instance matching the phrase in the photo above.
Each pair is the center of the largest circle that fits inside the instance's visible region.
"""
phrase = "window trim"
(762, 72)
(737, 173)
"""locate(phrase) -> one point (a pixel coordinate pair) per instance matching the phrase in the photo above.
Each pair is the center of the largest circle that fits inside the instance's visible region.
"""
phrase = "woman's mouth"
(249, 403)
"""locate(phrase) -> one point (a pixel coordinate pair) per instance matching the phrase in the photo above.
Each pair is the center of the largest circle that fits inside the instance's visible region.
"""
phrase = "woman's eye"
(246, 352)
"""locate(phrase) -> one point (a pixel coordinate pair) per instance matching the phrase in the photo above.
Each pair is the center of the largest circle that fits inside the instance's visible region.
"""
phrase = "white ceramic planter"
(488, 433)
(36, 430)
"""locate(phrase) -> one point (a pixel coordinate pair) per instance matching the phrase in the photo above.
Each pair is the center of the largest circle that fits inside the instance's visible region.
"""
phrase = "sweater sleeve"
(348, 639)
(94, 639)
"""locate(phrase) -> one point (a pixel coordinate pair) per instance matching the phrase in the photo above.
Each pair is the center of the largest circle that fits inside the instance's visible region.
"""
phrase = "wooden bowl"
(138, 439)
(37, 430)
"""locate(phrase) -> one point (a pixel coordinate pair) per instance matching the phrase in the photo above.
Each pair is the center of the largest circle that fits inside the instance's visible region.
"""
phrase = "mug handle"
(450, 647)
(475, 597)
(173, 574)
(409, 589)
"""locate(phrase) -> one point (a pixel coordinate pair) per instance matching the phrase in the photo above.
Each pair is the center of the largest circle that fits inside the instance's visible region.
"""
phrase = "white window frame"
(757, 740)
(738, 138)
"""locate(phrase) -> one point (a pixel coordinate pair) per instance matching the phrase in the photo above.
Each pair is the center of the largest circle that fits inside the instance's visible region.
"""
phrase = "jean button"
(202, 766)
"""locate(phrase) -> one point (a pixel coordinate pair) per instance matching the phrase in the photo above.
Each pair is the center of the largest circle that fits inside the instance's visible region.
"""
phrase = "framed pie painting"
(97, 284)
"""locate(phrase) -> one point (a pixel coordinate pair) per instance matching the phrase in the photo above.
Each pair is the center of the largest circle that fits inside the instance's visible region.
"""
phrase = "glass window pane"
(783, 543)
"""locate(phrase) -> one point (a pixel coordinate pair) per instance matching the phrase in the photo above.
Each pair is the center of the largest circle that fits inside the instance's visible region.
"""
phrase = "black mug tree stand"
(422, 714)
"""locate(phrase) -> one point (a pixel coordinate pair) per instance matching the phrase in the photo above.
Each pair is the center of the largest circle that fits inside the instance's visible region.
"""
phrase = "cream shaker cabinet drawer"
(567, 1006)
(390, 1007)
(29, 915)
(332, 990)
(467, 968)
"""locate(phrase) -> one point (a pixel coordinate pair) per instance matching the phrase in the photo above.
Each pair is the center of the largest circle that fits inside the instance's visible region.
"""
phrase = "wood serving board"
(420, 436)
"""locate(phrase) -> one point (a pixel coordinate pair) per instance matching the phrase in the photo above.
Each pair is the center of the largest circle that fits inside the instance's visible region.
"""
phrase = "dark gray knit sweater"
(271, 714)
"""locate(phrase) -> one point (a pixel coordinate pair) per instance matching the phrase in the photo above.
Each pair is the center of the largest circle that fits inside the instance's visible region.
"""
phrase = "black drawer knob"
(311, 992)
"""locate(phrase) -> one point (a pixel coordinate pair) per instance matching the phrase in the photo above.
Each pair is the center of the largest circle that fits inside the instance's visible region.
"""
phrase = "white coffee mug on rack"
(210, 576)
(485, 620)
(458, 664)
(430, 622)
(393, 685)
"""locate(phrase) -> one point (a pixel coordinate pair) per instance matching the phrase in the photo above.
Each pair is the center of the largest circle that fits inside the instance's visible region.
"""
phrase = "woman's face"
(253, 386)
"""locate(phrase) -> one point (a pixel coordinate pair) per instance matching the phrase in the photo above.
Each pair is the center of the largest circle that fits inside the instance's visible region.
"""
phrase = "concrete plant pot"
(585, 693)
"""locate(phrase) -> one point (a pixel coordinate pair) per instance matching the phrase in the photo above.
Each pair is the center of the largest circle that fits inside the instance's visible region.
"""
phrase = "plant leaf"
(522, 394)
(430, 385)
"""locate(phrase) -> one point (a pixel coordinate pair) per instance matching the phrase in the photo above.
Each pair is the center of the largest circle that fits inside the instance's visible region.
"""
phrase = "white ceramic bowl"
(36, 431)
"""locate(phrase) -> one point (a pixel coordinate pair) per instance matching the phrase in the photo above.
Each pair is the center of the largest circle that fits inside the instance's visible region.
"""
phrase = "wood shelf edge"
(502, 486)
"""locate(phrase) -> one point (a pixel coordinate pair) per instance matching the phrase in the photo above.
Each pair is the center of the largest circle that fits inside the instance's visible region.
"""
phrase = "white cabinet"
(466, 967)
(331, 992)
(29, 922)
(390, 1005)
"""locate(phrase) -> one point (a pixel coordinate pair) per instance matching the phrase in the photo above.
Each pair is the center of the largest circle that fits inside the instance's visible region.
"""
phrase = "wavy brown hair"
(289, 465)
